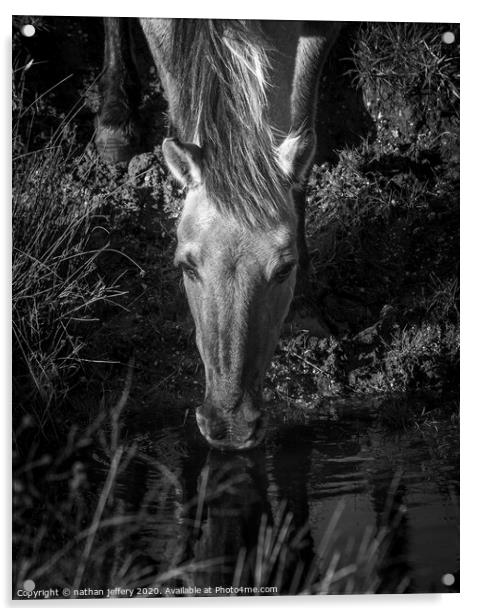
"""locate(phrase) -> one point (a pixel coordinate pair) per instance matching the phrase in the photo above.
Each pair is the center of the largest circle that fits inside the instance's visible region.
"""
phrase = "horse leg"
(117, 133)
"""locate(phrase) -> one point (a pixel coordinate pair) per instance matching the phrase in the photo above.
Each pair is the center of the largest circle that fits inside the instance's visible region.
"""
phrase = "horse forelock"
(221, 68)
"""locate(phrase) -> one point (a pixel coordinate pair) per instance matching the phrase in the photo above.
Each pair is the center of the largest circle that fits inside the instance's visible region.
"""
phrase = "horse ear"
(184, 160)
(296, 155)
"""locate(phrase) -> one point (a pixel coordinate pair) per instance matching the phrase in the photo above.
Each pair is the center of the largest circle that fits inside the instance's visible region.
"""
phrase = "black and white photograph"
(235, 307)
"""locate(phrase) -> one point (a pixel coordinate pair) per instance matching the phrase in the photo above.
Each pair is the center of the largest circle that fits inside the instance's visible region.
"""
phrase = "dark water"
(346, 503)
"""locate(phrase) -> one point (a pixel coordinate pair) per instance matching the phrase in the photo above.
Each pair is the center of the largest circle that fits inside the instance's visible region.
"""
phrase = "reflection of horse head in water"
(236, 536)
(226, 514)
(270, 516)
(232, 88)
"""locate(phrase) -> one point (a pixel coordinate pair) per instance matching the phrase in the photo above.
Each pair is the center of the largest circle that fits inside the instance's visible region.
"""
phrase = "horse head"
(239, 278)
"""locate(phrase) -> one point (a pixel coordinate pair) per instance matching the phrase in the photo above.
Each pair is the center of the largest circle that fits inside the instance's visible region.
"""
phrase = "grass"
(412, 61)
(55, 279)
(94, 292)
(354, 571)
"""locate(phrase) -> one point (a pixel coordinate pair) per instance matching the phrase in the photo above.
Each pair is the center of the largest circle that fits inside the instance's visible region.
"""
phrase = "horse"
(242, 104)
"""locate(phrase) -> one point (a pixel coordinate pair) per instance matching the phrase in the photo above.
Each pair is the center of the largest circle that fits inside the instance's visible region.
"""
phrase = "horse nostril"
(250, 412)
(252, 417)
(217, 431)
(224, 430)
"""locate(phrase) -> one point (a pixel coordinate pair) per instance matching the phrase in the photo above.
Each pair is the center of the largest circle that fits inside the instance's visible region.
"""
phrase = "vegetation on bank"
(383, 225)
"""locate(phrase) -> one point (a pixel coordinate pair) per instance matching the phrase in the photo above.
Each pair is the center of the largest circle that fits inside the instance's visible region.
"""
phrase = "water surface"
(343, 503)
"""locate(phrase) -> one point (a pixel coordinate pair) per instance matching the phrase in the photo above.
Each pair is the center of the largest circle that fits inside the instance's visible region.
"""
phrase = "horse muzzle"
(231, 430)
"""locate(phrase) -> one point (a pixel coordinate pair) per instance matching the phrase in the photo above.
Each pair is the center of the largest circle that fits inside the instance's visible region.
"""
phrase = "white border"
(345, 10)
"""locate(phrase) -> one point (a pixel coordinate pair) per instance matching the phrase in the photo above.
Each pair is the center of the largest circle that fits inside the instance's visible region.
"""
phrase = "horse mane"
(220, 67)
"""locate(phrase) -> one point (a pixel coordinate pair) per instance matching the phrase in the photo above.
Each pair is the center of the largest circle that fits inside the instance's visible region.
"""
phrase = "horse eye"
(189, 271)
(283, 273)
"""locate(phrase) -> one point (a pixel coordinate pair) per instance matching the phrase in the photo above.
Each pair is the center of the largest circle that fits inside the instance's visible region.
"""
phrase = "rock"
(140, 165)
(380, 328)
